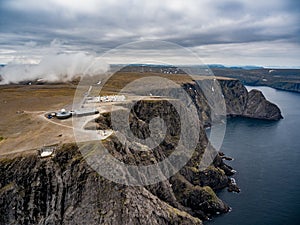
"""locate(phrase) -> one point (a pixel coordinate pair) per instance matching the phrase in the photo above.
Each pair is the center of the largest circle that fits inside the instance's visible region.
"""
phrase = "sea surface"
(267, 159)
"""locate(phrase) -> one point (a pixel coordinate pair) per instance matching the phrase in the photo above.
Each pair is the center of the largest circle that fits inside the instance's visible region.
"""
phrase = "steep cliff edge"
(63, 189)
(253, 104)
(258, 107)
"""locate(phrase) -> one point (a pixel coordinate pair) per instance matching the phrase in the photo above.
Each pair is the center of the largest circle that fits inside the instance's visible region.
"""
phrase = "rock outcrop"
(260, 108)
(253, 104)
(65, 190)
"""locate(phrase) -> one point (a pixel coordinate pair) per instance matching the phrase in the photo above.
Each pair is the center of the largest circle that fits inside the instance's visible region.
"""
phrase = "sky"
(234, 32)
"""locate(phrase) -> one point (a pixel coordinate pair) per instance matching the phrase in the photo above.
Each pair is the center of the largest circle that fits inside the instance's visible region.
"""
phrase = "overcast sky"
(235, 32)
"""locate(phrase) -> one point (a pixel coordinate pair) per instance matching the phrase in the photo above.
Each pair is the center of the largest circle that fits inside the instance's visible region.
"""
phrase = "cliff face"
(253, 104)
(260, 108)
(63, 189)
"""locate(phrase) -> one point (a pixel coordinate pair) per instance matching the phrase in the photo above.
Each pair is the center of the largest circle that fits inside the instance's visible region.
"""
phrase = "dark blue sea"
(267, 159)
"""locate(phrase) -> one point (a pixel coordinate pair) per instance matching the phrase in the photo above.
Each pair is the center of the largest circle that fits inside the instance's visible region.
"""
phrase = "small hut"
(47, 151)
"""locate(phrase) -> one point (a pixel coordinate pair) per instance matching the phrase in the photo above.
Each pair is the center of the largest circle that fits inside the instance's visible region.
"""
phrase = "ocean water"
(267, 159)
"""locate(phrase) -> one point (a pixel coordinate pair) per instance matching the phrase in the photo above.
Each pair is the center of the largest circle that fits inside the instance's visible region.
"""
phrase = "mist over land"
(53, 68)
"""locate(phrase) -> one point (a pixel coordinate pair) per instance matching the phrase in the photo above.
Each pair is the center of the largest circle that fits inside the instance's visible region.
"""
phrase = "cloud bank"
(53, 68)
(100, 25)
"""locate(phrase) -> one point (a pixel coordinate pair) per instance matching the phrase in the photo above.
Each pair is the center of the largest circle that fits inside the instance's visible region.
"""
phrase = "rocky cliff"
(63, 189)
(253, 104)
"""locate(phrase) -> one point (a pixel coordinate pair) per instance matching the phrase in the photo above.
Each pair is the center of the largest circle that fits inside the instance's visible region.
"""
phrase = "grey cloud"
(231, 9)
(101, 25)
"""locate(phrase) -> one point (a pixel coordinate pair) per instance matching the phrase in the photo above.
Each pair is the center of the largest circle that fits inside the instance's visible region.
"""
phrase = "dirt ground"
(23, 126)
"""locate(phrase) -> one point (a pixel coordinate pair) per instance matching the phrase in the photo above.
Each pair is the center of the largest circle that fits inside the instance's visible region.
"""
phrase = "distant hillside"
(248, 67)
(282, 79)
